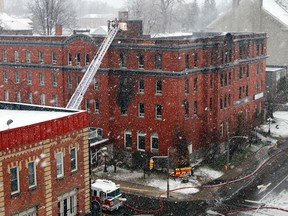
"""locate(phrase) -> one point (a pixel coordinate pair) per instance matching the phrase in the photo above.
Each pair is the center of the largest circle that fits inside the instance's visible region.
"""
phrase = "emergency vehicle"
(106, 195)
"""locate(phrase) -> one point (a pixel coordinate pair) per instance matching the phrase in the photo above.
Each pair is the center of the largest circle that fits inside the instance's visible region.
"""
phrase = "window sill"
(16, 194)
(60, 178)
(74, 172)
(32, 188)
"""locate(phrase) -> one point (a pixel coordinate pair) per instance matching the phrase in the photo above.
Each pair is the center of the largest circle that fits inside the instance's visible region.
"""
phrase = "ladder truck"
(77, 97)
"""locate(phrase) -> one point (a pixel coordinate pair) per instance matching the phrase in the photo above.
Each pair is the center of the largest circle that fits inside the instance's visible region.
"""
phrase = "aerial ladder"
(77, 97)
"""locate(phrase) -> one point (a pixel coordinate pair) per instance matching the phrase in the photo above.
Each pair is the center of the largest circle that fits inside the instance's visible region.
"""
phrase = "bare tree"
(47, 13)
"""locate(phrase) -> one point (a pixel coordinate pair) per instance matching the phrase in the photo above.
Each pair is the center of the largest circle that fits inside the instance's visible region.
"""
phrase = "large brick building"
(44, 161)
(149, 93)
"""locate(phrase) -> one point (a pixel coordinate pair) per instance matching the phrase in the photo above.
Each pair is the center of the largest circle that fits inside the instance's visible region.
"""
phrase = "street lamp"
(105, 155)
(228, 148)
(269, 122)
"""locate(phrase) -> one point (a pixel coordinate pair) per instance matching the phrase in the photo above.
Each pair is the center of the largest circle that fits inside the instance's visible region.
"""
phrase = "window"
(195, 84)
(154, 141)
(28, 56)
(247, 71)
(96, 106)
(78, 59)
(195, 58)
(229, 99)
(87, 104)
(240, 92)
(211, 81)
(221, 103)
(31, 174)
(211, 104)
(18, 97)
(225, 79)
(141, 140)
(16, 56)
(158, 61)
(87, 59)
(14, 180)
(96, 84)
(225, 101)
(140, 61)
(221, 129)
(78, 80)
(123, 59)
(73, 159)
(240, 73)
(30, 98)
(41, 57)
(229, 78)
(55, 100)
(4, 55)
(128, 138)
(69, 59)
(28, 212)
(141, 110)
(69, 81)
(54, 57)
(221, 79)
(158, 111)
(42, 99)
(59, 164)
(247, 90)
(67, 204)
(159, 87)
(42, 80)
(17, 77)
(187, 65)
(29, 78)
(6, 95)
(5, 76)
(195, 108)
(141, 86)
(186, 86)
(54, 79)
(186, 108)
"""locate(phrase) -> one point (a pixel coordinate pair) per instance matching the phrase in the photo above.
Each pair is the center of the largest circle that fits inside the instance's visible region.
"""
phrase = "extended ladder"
(81, 89)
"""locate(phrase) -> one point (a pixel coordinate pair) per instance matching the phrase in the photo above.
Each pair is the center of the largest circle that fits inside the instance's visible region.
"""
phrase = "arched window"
(141, 141)
(128, 138)
(154, 141)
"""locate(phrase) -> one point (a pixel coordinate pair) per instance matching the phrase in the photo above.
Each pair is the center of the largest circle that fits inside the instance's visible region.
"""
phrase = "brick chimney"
(58, 29)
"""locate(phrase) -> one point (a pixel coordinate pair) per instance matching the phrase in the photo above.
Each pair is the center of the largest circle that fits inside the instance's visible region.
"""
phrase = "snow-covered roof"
(22, 118)
(272, 69)
(275, 10)
(98, 16)
(13, 23)
(105, 185)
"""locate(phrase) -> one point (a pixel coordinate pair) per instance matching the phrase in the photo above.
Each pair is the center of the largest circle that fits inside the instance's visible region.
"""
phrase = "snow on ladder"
(81, 89)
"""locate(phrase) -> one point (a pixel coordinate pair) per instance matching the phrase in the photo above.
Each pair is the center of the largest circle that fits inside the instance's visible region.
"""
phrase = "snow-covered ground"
(201, 175)
(279, 129)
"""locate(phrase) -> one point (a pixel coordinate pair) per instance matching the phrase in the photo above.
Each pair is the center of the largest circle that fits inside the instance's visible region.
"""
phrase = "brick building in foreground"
(149, 93)
(44, 159)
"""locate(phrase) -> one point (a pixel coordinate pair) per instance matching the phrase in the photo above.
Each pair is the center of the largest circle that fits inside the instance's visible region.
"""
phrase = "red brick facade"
(39, 144)
(224, 77)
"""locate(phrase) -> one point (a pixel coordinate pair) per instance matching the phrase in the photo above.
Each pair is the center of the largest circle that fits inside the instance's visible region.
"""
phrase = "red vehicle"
(106, 195)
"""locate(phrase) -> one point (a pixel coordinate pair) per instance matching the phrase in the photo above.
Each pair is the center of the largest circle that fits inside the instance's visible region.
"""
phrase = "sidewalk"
(134, 183)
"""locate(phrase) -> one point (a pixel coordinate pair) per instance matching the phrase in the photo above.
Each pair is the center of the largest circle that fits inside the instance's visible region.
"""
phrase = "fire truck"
(106, 195)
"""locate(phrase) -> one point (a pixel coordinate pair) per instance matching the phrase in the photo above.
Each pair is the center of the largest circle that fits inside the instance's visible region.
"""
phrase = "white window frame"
(30, 97)
(42, 78)
(154, 136)
(6, 95)
(96, 106)
(158, 90)
(59, 165)
(41, 57)
(72, 195)
(34, 175)
(28, 56)
(17, 179)
(18, 97)
(78, 60)
(140, 134)
(42, 99)
(54, 79)
(96, 84)
(16, 56)
(29, 78)
(70, 81)
(87, 59)
(127, 132)
(54, 57)
(140, 89)
(17, 77)
(87, 104)
(141, 114)
(159, 117)
(70, 58)
(55, 100)
(4, 55)
(5, 76)
(75, 158)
